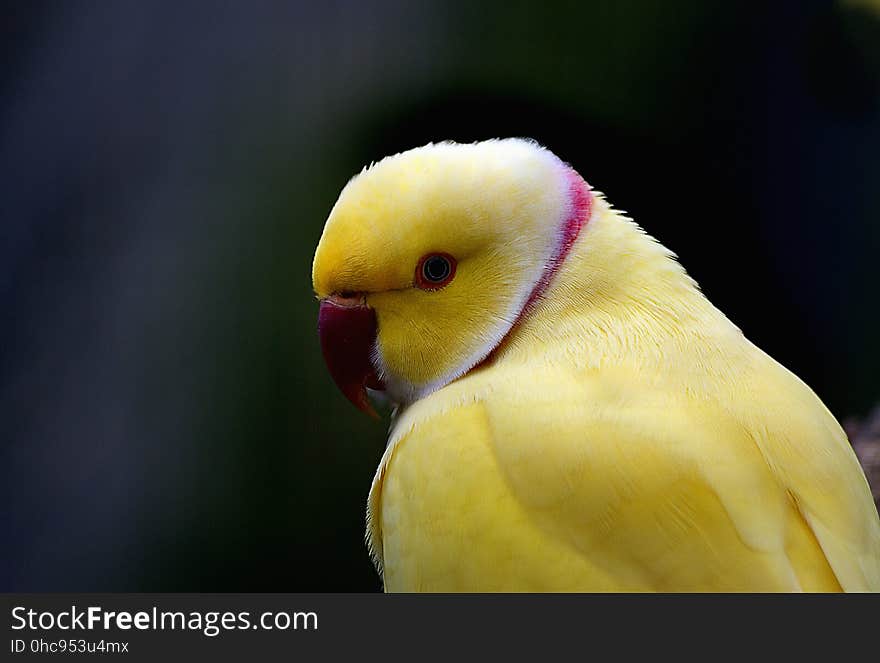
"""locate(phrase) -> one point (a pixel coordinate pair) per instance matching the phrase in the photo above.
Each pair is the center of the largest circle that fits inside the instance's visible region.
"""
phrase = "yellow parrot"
(570, 412)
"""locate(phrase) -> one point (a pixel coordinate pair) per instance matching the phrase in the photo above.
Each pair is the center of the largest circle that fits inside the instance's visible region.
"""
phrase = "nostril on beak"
(348, 299)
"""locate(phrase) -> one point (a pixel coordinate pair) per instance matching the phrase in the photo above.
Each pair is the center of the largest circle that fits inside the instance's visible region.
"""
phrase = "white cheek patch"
(397, 391)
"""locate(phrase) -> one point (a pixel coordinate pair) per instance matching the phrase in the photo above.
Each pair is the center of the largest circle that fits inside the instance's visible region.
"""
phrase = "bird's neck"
(620, 296)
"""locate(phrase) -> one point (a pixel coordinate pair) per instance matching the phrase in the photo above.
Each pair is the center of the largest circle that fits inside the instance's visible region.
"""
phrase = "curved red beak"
(347, 328)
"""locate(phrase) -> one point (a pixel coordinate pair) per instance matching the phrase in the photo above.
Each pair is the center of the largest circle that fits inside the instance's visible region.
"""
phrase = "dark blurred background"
(165, 172)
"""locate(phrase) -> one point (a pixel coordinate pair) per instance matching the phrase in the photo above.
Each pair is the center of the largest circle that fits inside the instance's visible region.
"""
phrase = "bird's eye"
(435, 270)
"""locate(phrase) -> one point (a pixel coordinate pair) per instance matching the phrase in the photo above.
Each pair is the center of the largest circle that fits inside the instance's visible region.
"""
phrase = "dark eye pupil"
(436, 268)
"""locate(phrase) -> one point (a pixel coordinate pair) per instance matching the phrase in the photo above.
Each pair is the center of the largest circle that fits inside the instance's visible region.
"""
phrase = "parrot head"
(430, 257)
